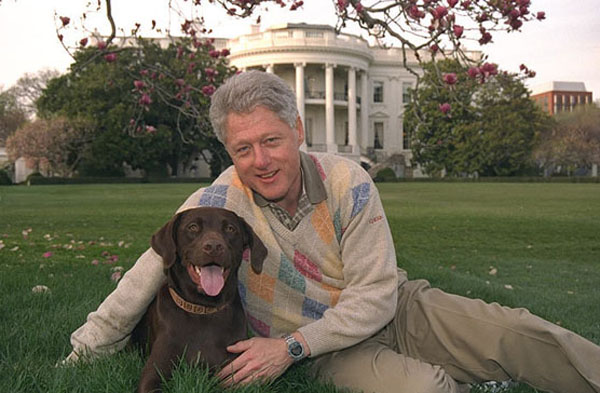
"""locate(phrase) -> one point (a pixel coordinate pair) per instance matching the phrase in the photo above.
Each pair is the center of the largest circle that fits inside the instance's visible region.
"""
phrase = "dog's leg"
(159, 367)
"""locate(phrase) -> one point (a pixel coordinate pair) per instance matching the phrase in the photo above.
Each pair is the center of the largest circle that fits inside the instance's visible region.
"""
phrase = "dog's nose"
(213, 247)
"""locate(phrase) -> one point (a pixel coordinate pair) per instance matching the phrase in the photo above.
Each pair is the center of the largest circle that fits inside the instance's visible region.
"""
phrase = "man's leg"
(475, 341)
(372, 366)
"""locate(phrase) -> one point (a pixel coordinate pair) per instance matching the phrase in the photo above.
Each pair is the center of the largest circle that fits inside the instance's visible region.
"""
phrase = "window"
(378, 135)
(406, 139)
(308, 132)
(346, 133)
(406, 86)
(377, 91)
(314, 34)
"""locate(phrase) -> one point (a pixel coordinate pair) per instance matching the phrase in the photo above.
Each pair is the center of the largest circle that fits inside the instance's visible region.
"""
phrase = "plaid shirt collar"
(313, 192)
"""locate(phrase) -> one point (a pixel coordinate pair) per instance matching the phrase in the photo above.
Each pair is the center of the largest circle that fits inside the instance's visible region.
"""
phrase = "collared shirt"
(313, 192)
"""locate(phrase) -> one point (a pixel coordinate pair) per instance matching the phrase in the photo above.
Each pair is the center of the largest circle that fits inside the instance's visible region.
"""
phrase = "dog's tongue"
(211, 278)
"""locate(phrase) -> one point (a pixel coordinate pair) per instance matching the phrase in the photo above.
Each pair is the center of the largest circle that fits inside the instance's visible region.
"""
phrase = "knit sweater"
(333, 278)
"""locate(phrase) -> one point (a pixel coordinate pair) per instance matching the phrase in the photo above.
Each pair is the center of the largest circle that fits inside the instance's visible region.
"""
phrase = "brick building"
(555, 97)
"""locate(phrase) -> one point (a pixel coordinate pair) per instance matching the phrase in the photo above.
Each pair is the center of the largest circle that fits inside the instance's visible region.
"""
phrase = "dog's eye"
(230, 228)
(193, 228)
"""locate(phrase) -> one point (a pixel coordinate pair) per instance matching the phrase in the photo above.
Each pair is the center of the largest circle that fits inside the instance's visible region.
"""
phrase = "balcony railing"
(319, 94)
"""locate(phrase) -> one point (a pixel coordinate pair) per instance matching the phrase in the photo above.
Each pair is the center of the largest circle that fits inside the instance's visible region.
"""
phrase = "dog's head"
(208, 244)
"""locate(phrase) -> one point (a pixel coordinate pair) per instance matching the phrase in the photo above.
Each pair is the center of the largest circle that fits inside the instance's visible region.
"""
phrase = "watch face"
(296, 349)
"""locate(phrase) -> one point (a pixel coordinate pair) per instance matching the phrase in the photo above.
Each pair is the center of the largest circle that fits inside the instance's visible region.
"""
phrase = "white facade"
(350, 95)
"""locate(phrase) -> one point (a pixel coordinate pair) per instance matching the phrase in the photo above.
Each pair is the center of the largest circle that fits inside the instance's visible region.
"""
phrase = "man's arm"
(108, 328)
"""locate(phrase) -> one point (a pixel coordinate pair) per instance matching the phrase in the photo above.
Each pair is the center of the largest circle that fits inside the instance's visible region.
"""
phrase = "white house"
(350, 95)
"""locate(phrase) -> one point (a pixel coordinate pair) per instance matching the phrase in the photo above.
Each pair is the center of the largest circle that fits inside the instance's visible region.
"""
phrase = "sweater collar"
(312, 185)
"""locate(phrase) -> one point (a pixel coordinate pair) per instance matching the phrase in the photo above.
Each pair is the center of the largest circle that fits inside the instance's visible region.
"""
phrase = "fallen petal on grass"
(40, 289)
(47, 254)
(508, 286)
(116, 276)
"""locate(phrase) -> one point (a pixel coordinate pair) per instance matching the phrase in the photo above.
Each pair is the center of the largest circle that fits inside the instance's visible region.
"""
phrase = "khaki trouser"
(437, 339)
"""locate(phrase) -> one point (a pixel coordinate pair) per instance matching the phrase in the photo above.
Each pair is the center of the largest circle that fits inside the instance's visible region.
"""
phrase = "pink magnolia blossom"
(225, 52)
(486, 37)
(145, 100)
(342, 5)
(65, 20)
(210, 72)
(415, 13)
(450, 78)
(515, 23)
(180, 82)
(179, 52)
(110, 57)
(358, 7)
(439, 12)
(458, 30)
(208, 90)
(466, 4)
(445, 108)
(150, 129)
(214, 53)
(540, 15)
(83, 41)
(489, 69)
(139, 85)
(452, 3)
(101, 45)
(473, 72)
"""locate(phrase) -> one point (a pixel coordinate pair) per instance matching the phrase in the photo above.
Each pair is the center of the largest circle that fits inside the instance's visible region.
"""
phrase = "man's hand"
(261, 359)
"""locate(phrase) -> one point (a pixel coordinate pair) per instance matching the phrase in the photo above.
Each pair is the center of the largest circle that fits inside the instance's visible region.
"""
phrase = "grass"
(541, 240)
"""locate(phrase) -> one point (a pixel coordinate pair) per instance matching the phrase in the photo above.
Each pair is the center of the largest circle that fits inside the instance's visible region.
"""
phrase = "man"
(330, 289)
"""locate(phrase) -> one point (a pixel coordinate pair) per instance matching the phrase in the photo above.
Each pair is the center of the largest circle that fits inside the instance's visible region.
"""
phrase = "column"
(269, 68)
(352, 140)
(329, 110)
(300, 96)
(364, 109)
(300, 88)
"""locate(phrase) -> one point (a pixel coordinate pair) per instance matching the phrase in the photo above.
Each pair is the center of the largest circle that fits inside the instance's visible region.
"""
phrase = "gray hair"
(243, 92)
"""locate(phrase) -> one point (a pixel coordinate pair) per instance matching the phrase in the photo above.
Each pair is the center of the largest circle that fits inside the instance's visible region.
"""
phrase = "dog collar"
(191, 307)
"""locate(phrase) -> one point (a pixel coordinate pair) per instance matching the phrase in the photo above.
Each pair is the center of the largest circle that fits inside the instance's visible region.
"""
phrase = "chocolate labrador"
(198, 312)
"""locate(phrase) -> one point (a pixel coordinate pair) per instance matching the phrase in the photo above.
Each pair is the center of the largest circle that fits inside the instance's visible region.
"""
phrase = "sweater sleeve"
(368, 300)
(107, 329)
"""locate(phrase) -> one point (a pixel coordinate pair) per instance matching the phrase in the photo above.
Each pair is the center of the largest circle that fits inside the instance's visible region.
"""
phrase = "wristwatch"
(295, 348)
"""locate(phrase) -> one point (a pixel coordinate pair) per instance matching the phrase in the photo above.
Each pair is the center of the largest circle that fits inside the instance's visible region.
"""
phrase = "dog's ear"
(258, 251)
(165, 243)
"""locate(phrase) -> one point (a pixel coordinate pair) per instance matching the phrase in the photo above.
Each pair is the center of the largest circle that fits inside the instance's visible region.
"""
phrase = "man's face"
(265, 153)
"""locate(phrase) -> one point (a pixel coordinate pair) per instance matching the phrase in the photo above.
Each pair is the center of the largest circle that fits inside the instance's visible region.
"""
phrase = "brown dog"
(198, 313)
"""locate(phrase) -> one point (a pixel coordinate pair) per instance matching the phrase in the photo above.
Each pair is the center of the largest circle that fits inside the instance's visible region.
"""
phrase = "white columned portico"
(352, 139)
(300, 96)
(329, 110)
(364, 109)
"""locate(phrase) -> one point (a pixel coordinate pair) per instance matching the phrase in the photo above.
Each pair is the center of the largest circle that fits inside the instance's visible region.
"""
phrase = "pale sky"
(564, 47)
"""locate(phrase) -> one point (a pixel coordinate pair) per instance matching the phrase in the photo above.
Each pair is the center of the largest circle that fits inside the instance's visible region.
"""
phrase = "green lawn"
(541, 240)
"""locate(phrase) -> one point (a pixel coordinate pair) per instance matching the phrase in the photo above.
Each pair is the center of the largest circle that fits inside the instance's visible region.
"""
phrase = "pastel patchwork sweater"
(333, 278)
